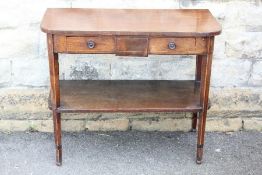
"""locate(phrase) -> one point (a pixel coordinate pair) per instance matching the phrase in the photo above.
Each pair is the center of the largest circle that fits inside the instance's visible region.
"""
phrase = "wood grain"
(103, 44)
(204, 93)
(129, 96)
(60, 44)
(54, 73)
(162, 22)
(131, 46)
(184, 46)
(55, 96)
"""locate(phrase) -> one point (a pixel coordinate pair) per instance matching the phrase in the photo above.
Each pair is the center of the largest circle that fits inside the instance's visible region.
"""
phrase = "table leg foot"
(59, 163)
(59, 155)
(199, 155)
(199, 161)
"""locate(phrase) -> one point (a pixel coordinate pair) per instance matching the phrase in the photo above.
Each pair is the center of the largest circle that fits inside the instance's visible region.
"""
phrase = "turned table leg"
(55, 97)
(206, 62)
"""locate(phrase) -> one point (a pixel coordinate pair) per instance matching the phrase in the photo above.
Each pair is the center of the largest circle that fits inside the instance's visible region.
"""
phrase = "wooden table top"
(152, 22)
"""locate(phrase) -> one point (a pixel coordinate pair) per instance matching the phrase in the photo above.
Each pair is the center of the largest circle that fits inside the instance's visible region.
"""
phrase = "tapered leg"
(57, 135)
(197, 79)
(200, 140)
(55, 96)
(204, 86)
(198, 67)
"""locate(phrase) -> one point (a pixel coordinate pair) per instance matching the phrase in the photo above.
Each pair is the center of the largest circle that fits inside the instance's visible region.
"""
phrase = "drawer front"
(131, 46)
(182, 46)
(105, 44)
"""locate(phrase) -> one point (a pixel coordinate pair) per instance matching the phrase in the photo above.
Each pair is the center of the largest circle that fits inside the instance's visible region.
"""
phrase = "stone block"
(126, 4)
(233, 15)
(14, 125)
(177, 68)
(107, 125)
(119, 115)
(212, 114)
(19, 43)
(41, 125)
(81, 116)
(42, 46)
(253, 124)
(24, 104)
(236, 99)
(219, 47)
(256, 74)
(230, 73)
(5, 72)
(30, 72)
(243, 44)
(183, 124)
(224, 124)
(14, 13)
(73, 125)
(156, 116)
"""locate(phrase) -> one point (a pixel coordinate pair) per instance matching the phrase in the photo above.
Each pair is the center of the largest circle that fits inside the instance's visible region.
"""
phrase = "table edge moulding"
(131, 32)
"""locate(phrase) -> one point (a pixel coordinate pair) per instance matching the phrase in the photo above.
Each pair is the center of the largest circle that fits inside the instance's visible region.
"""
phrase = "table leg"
(197, 79)
(55, 96)
(194, 121)
(57, 135)
(204, 86)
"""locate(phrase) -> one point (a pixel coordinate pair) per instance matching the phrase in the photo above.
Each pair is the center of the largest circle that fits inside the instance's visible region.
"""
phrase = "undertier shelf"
(129, 96)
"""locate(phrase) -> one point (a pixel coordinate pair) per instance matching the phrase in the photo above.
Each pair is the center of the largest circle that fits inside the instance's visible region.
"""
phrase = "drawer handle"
(91, 44)
(171, 45)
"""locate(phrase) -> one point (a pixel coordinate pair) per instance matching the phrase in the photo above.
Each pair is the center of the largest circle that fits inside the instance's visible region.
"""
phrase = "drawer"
(104, 44)
(182, 46)
(132, 46)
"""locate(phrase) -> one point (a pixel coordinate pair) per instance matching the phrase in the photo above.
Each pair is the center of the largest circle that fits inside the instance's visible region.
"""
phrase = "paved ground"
(131, 153)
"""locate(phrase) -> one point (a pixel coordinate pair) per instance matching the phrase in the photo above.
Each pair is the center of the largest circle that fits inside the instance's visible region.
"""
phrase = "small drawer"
(104, 44)
(177, 46)
(132, 46)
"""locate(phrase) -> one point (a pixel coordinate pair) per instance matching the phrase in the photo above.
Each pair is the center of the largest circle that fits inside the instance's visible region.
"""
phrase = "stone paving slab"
(131, 153)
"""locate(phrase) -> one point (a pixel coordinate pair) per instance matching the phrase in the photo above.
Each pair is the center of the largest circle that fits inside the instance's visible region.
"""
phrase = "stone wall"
(236, 92)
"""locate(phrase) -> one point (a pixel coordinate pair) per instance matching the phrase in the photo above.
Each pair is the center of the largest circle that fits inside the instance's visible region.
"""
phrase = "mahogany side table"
(131, 32)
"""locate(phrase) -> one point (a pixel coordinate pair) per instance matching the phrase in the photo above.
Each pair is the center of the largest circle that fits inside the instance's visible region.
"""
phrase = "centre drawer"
(132, 46)
(104, 44)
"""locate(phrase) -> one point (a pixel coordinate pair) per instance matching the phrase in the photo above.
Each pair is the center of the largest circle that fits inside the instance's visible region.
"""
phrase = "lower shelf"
(129, 96)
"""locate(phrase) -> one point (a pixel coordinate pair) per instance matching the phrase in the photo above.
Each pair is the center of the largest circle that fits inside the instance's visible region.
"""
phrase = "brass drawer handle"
(91, 44)
(171, 45)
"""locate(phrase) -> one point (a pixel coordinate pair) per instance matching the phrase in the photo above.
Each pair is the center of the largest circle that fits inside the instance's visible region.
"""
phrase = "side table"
(130, 32)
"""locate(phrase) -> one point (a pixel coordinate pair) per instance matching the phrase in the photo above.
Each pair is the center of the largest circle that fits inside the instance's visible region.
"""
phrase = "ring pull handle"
(171, 45)
(91, 44)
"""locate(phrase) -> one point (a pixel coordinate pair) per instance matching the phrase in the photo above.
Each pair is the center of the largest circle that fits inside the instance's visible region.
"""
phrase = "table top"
(151, 22)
